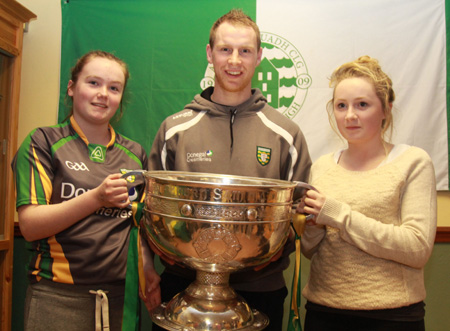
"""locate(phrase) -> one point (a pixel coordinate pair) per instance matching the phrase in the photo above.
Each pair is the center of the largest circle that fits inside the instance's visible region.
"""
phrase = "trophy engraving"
(216, 245)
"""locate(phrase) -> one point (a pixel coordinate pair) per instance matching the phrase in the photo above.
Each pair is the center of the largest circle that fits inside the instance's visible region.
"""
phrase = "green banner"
(162, 41)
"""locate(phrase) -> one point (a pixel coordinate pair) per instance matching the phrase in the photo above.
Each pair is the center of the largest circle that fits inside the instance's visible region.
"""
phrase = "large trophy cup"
(215, 224)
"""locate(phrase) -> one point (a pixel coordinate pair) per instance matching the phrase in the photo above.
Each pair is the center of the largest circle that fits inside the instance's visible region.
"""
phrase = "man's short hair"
(235, 17)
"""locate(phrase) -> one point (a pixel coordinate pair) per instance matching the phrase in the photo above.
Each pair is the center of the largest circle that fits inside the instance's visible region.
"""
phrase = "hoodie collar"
(202, 102)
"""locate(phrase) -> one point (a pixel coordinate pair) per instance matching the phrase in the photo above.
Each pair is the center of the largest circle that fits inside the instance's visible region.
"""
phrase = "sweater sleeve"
(409, 242)
(311, 238)
(313, 234)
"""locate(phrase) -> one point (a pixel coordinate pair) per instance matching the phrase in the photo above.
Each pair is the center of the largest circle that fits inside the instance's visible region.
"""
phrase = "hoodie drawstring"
(233, 115)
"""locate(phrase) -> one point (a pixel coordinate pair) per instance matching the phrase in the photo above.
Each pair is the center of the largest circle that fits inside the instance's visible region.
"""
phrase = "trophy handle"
(303, 187)
(134, 178)
(299, 220)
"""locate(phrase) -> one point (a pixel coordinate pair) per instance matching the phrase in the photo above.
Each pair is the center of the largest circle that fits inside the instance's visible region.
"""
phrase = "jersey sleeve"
(32, 166)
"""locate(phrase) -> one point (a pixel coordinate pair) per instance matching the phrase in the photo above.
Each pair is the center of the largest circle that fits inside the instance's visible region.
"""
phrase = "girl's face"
(98, 91)
(358, 111)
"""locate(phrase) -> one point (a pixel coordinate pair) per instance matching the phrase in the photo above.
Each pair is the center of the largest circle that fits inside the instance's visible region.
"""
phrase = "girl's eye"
(93, 82)
(363, 104)
(115, 89)
(340, 105)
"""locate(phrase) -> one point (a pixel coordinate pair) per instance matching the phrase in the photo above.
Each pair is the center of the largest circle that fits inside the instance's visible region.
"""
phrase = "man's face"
(234, 57)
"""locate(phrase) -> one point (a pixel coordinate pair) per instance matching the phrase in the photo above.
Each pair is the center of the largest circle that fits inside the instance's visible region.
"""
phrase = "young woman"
(73, 206)
(374, 215)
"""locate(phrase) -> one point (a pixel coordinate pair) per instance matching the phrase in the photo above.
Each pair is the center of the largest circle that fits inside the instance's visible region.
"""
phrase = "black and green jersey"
(55, 164)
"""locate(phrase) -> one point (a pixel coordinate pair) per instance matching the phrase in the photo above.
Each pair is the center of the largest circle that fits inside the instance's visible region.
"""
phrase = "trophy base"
(158, 315)
(206, 307)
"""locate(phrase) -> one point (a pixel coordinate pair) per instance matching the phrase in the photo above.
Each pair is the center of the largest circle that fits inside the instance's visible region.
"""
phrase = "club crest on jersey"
(97, 153)
(263, 155)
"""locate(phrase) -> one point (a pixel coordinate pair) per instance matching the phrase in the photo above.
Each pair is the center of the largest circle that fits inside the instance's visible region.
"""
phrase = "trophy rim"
(234, 180)
(212, 221)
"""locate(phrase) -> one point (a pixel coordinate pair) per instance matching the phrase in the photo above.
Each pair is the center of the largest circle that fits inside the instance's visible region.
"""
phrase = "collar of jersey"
(78, 130)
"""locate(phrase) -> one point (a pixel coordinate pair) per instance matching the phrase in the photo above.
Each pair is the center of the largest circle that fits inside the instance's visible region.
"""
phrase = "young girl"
(72, 205)
(375, 215)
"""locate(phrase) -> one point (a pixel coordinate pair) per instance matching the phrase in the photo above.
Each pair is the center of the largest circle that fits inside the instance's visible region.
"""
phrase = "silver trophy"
(215, 224)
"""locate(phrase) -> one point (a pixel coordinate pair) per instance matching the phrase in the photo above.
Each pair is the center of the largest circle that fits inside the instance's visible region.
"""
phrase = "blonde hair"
(368, 68)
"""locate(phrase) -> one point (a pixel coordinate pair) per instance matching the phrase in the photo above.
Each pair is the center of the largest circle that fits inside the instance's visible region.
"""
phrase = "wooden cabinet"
(13, 17)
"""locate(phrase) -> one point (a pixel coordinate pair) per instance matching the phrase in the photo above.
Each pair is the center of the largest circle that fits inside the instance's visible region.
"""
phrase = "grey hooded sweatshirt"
(251, 139)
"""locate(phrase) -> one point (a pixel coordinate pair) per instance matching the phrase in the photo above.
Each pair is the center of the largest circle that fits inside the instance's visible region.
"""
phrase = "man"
(230, 129)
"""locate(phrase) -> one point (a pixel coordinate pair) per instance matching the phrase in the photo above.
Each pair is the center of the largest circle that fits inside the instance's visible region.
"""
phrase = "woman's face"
(358, 111)
(98, 91)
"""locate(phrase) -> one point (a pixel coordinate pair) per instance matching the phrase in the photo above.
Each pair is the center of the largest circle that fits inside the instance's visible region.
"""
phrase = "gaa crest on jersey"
(282, 76)
(97, 153)
(263, 155)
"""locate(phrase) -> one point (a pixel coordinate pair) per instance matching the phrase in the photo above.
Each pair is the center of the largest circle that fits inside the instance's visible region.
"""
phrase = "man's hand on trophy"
(149, 290)
(151, 293)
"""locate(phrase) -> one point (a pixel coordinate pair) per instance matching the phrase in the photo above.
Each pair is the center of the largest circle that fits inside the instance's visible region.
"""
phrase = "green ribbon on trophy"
(294, 323)
(134, 275)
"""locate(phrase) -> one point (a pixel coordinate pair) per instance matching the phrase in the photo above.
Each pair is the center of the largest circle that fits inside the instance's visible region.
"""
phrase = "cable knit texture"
(374, 235)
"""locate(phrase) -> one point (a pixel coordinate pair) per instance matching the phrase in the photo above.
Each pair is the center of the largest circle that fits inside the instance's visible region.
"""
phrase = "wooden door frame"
(13, 16)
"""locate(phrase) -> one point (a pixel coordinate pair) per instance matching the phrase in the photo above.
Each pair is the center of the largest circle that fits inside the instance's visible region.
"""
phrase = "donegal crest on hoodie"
(263, 155)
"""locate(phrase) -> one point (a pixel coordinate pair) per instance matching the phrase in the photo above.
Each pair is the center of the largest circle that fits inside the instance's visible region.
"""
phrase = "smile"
(99, 105)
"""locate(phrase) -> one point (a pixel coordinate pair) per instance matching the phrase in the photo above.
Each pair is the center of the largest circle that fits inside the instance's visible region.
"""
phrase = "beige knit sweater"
(376, 232)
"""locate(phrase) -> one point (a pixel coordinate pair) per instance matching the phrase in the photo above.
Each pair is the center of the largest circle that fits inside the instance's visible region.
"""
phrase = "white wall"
(39, 88)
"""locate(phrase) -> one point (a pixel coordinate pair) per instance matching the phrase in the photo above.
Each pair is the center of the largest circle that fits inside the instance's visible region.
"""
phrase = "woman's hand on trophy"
(313, 204)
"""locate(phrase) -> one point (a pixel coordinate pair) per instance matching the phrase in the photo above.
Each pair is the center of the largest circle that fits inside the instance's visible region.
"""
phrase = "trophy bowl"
(216, 225)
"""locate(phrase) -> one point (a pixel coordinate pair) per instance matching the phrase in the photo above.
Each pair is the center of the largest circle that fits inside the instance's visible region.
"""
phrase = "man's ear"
(209, 53)
(258, 59)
